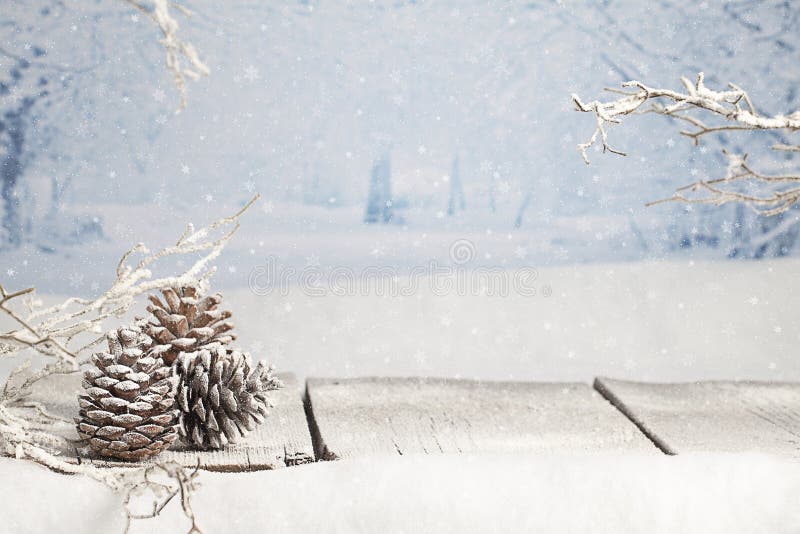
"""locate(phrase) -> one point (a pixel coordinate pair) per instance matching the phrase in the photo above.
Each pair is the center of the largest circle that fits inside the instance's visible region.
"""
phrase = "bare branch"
(176, 48)
(766, 202)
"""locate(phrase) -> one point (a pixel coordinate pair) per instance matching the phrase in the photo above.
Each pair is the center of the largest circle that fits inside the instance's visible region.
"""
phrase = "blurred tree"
(38, 95)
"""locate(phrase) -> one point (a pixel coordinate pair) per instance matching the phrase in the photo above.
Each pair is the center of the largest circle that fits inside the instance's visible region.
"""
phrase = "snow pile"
(703, 493)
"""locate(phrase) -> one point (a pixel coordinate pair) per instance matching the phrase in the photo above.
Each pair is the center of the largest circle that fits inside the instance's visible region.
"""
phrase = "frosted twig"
(733, 109)
(180, 482)
(767, 202)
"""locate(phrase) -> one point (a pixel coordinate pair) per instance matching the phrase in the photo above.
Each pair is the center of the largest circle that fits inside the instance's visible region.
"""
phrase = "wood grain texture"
(375, 416)
(281, 441)
(712, 416)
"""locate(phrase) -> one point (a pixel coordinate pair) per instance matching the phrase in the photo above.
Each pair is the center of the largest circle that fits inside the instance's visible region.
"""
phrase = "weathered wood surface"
(281, 441)
(712, 416)
(373, 416)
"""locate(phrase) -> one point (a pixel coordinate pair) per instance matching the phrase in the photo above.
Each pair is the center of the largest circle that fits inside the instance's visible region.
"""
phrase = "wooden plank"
(375, 416)
(281, 441)
(712, 416)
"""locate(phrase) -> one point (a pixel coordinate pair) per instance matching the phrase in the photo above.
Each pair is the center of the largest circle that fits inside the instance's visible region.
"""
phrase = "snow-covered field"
(603, 494)
(659, 321)
(655, 321)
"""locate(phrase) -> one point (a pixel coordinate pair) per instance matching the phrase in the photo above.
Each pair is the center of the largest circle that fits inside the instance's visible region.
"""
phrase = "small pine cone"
(187, 322)
(128, 408)
(221, 395)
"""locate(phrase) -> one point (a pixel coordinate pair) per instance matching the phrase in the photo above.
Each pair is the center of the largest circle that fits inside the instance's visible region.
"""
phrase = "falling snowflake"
(159, 95)
(75, 280)
(348, 324)
(251, 73)
(378, 250)
(161, 198)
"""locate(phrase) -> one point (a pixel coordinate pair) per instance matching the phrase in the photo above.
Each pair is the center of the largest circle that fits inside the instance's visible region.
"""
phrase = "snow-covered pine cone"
(187, 321)
(127, 410)
(221, 395)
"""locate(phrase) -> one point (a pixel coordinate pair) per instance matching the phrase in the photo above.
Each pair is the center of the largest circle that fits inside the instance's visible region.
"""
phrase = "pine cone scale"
(109, 432)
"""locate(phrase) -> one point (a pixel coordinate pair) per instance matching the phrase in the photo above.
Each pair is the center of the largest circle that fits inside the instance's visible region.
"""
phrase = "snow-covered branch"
(732, 110)
(177, 50)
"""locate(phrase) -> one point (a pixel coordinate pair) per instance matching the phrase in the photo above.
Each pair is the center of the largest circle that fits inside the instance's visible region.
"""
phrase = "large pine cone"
(187, 322)
(221, 395)
(128, 409)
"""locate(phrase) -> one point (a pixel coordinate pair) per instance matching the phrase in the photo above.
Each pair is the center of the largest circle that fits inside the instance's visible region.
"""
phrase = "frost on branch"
(63, 333)
(730, 110)
(176, 48)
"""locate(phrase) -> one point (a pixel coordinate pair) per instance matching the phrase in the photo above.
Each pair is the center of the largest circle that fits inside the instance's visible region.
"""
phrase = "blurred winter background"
(378, 134)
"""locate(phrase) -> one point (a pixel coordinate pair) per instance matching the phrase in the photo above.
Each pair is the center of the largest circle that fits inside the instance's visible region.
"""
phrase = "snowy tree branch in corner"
(176, 48)
(732, 110)
(63, 332)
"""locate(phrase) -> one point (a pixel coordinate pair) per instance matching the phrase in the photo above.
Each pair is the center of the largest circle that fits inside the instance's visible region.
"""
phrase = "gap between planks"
(617, 403)
(721, 416)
